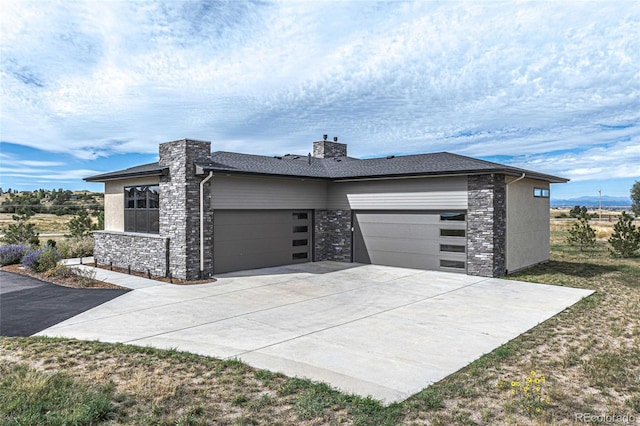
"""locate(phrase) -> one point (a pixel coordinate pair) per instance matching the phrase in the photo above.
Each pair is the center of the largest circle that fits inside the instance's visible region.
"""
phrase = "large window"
(142, 209)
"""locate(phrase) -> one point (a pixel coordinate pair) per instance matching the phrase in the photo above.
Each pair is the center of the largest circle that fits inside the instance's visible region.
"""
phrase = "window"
(452, 233)
(142, 209)
(298, 256)
(541, 192)
(304, 228)
(458, 264)
(452, 248)
(452, 216)
(297, 243)
(300, 216)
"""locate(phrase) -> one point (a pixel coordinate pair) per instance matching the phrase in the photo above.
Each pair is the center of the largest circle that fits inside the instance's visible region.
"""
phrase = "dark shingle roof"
(151, 169)
(440, 163)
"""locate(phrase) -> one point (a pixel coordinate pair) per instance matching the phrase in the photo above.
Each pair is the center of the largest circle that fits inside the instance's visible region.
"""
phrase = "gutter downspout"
(205, 180)
(506, 224)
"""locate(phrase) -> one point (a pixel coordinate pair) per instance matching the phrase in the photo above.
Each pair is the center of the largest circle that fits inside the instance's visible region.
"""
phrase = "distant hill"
(588, 201)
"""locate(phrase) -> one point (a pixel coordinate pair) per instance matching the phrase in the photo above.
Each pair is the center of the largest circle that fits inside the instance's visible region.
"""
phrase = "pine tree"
(581, 234)
(625, 240)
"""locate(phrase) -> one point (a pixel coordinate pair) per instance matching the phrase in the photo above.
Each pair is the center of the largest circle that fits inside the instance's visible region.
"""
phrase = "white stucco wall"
(527, 224)
(114, 200)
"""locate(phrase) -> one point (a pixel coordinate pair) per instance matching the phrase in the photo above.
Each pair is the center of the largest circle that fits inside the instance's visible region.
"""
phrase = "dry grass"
(45, 223)
(589, 354)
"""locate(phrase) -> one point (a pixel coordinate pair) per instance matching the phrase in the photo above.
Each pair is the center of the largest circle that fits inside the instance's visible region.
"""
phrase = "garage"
(411, 239)
(250, 239)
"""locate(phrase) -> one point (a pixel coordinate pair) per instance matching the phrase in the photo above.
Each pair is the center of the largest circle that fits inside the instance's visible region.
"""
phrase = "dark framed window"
(460, 217)
(541, 192)
(299, 256)
(142, 209)
(297, 243)
(452, 233)
(458, 264)
(452, 248)
(300, 215)
(302, 228)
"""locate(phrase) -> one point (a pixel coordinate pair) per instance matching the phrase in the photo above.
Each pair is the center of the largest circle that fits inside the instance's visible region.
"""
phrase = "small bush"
(42, 260)
(76, 247)
(625, 240)
(581, 234)
(84, 277)
(12, 254)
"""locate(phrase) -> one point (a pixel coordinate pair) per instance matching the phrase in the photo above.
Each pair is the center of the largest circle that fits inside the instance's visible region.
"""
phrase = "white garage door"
(411, 239)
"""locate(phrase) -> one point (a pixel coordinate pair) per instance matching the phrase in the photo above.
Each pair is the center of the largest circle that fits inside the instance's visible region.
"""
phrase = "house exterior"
(195, 213)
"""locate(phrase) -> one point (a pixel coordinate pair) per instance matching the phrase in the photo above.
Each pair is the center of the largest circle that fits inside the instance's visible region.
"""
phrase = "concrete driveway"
(372, 330)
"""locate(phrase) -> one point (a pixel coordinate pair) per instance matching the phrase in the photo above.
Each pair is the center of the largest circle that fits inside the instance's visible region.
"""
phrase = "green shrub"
(625, 240)
(42, 260)
(581, 234)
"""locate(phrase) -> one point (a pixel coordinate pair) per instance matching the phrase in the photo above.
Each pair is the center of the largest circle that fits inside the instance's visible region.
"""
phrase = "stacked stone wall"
(333, 238)
(486, 223)
(140, 252)
(180, 208)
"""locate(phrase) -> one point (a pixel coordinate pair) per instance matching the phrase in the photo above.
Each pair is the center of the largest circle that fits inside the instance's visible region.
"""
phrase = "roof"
(340, 168)
(151, 169)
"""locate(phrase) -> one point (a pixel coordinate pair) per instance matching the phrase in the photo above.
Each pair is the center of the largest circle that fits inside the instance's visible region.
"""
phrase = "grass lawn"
(589, 356)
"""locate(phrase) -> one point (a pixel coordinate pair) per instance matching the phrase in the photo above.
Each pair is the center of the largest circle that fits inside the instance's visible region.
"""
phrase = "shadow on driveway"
(28, 305)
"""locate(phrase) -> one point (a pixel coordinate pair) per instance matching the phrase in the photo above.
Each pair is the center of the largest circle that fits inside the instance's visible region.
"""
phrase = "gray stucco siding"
(400, 194)
(245, 192)
(528, 230)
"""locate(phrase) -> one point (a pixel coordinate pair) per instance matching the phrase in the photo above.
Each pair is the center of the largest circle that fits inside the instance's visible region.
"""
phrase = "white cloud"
(521, 79)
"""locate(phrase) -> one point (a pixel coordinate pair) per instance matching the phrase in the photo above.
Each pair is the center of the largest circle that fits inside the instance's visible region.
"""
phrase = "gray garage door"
(249, 239)
(420, 240)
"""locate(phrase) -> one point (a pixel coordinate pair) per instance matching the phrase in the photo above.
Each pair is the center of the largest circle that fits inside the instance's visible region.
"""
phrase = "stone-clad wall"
(486, 224)
(141, 252)
(180, 208)
(332, 239)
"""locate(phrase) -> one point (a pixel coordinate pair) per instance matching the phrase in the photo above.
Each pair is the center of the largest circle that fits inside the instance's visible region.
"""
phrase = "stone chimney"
(327, 149)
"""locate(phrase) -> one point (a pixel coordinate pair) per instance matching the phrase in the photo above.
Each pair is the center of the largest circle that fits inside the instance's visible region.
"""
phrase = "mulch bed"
(155, 277)
(74, 282)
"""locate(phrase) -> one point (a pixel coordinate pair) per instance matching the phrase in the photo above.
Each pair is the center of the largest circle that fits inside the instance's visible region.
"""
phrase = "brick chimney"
(327, 149)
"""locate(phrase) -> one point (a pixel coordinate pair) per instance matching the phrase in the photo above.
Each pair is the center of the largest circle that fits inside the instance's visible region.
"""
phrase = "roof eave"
(119, 176)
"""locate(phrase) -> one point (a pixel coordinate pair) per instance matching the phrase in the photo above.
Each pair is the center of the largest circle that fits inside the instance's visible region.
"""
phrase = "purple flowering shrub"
(42, 260)
(12, 254)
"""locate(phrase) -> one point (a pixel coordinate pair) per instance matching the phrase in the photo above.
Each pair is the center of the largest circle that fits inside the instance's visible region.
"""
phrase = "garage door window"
(297, 243)
(452, 233)
(458, 217)
(304, 228)
(142, 209)
(452, 248)
(457, 264)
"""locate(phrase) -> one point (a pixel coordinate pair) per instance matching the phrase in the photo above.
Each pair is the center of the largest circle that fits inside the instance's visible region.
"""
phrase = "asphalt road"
(28, 305)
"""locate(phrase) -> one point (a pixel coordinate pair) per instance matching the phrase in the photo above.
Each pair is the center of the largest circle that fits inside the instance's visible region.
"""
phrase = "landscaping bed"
(74, 281)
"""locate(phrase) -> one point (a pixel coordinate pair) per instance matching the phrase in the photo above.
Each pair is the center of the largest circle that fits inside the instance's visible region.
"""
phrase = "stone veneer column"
(180, 207)
(332, 235)
(486, 225)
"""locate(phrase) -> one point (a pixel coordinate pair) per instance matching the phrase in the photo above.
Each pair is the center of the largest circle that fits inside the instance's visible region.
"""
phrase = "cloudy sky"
(89, 87)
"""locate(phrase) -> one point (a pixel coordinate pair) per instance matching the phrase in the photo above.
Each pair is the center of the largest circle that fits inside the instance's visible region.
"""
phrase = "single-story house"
(195, 213)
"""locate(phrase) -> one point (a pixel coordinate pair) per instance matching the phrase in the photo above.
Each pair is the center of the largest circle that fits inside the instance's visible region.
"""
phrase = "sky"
(95, 86)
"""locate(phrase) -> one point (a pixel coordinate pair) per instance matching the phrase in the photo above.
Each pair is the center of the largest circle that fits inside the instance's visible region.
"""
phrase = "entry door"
(250, 239)
(419, 240)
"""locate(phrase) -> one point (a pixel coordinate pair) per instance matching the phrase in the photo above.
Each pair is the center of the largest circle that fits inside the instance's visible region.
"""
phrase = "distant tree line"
(59, 202)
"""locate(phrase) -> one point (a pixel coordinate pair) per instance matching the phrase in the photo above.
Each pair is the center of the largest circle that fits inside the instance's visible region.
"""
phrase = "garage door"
(249, 239)
(420, 240)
